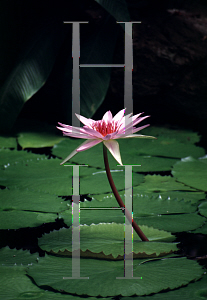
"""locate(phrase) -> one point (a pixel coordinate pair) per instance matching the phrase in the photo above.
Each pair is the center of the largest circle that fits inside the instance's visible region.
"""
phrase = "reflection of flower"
(106, 130)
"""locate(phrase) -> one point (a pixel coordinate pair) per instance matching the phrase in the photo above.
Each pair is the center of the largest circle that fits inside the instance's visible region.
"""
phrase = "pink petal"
(78, 136)
(84, 120)
(113, 147)
(72, 153)
(136, 116)
(139, 136)
(127, 120)
(110, 136)
(118, 117)
(93, 133)
(88, 145)
(75, 132)
(107, 117)
(139, 120)
(140, 128)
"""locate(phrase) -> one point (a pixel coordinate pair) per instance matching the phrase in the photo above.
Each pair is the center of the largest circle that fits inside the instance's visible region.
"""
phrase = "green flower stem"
(118, 198)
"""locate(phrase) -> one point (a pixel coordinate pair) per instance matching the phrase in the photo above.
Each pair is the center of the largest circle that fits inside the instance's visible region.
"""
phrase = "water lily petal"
(136, 116)
(107, 117)
(75, 132)
(140, 128)
(119, 116)
(138, 136)
(113, 147)
(84, 120)
(88, 145)
(72, 153)
(93, 133)
(139, 120)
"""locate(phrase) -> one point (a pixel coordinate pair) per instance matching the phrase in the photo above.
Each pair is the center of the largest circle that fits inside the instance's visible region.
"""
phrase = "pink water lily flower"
(106, 130)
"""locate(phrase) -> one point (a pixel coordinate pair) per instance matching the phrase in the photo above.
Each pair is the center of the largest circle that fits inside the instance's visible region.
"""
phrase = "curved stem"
(118, 198)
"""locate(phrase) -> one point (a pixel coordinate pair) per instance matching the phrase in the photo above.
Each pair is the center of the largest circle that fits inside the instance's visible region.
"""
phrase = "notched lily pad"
(106, 240)
(158, 183)
(161, 273)
(7, 141)
(192, 172)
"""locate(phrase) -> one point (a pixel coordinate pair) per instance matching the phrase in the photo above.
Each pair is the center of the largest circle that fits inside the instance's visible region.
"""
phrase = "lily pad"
(148, 152)
(193, 291)
(20, 219)
(23, 208)
(203, 209)
(192, 172)
(158, 183)
(15, 284)
(13, 157)
(162, 274)
(7, 141)
(31, 201)
(172, 211)
(202, 229)
(46, 175)
(37, 134)
(181, 135)
(107, 241)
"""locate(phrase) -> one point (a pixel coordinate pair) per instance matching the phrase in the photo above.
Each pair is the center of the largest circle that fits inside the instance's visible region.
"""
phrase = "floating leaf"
(36, 134)
(13, 157)
(15, 284)
(106, 240)
(7, 141)
(46, 175)
(150, 209)
(162, 274)
(193, 291)
(192, 172)
(20, 219)
(203, 209)
(153, 155)
(158, 183)
(31, 201)
(181, 135)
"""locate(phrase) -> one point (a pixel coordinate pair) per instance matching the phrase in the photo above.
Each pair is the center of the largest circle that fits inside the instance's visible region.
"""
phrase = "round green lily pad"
(192, 172)
(162, 274)
(106, 240)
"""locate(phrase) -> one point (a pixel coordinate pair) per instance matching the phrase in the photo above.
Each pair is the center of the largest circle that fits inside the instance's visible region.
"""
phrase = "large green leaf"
(36, 134)
(20, 219)
(161, 274)
(12, 157)
(94, 81)
(94, 157)
(8, 141)
(46, 175)
(171, 211)
(30, 73)
(192, 172)
(181, 135)
(15, 284)
(193, 291)
(152, 155)
(158, 183)
(31, 201)
(117, 8)
(107, 241)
